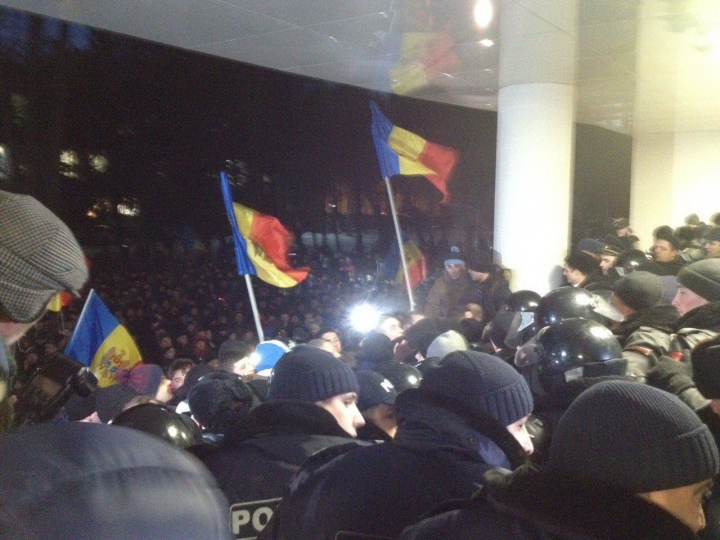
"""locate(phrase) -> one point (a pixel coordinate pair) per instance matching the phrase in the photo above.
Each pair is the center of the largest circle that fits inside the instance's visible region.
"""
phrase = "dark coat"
(529, 505)
(491, 294)
(446, 294)
(381, 489)
(259, 457)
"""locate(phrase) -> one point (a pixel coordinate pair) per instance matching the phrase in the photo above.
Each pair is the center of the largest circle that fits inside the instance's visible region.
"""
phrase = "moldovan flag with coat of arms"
(262, 244)
(402, 152)
(101, 342)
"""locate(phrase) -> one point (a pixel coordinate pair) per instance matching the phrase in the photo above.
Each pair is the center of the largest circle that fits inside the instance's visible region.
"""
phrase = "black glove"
(672, 376)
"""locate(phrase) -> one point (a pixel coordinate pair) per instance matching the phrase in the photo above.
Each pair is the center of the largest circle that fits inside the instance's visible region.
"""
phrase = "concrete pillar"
(535, 142)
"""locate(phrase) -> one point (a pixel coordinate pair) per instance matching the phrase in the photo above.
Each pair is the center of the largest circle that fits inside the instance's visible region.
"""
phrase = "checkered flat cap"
(39, 256)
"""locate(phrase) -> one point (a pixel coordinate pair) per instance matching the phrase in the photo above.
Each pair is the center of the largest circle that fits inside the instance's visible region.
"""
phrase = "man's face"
(606, 263)
(344, 409)
(391, 328)
(454, 270)
(685, 503)
(685, 300)
(334, 340)
(244, 367)
(712, 248)
(663, 251)
(384, 416)
(164, 391)
(178, 378)
(519, 431)
(574, 277)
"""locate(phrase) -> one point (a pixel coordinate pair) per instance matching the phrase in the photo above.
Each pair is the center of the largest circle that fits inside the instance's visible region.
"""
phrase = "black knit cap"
(706, 367)
(310, 374)
(639, 290)
(482, 382)
(635, 437)
(219, 401)
(702, 278)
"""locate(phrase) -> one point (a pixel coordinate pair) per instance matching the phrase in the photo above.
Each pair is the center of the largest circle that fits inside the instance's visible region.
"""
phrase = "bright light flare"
(364, 318)
(483, 13)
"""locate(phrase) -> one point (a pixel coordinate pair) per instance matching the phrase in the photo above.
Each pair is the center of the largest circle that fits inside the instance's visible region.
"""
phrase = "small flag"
(402, 152)
(59, 301)
(101, 342)
(262, 244)
(415, 260)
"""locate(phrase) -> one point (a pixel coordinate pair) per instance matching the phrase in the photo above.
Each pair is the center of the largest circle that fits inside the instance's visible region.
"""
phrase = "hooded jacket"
(381, 489)
(529, 505)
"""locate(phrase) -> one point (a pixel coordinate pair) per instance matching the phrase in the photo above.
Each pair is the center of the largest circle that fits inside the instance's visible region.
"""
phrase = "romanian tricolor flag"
(402, 152)
(59, 301)
(262, 244)
(424, 56)
(101, 342)
(415, 260)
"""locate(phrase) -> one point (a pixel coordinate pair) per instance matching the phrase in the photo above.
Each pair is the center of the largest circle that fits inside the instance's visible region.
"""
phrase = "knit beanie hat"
(706, 367)
(454, 256)
(712, 235)
(309, 374)
(635, 437)
(143, 378)
(219, 401)
(421, 334)
(39, 257)
(375, 348)
(374, 389)
(639, 290)
(446, 343)
(484, 383)
(702, 278)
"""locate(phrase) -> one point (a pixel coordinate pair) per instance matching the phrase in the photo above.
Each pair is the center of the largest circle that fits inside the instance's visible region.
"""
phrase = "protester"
(632, 476)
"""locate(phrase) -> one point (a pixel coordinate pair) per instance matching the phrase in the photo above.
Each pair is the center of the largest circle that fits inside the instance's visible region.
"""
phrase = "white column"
(535, 142)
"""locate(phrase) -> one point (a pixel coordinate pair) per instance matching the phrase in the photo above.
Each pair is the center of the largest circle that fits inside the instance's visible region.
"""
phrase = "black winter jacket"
(381, 489)
(259, 457)
(529, 505)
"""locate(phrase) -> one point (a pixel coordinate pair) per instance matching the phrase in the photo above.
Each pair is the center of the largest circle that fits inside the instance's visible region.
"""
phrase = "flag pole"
(253, 304)
(408, 285)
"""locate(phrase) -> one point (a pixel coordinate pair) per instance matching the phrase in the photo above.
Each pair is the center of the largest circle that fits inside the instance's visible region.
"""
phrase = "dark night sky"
(155, 109)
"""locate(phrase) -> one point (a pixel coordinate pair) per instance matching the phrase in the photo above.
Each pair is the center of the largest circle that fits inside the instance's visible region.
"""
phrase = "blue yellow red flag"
(401, 152)
(262, 244)
(101, 342)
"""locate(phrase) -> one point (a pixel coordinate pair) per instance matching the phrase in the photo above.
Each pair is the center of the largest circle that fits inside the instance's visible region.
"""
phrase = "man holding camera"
(39, 257)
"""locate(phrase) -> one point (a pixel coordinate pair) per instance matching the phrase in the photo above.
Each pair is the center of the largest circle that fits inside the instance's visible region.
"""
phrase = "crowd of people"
(590, 412)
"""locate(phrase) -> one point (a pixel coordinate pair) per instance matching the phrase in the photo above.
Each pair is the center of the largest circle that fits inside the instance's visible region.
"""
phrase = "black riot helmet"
(523, 301)
(571, 349)
(565, 303)
(631, 259)
(160, 421)
(402, 376)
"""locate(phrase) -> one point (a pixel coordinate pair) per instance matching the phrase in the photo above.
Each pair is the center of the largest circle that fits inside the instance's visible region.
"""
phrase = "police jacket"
(259, 457)
(549, 407)
(530, 505)
(381, 489)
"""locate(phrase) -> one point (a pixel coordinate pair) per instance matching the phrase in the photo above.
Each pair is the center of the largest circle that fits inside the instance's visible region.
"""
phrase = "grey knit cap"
(633, 436)
(702, 278)
(484, 383)
(639, 290)
(39, 257)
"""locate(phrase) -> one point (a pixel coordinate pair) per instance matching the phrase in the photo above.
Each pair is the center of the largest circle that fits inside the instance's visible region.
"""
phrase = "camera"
(49, 389)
